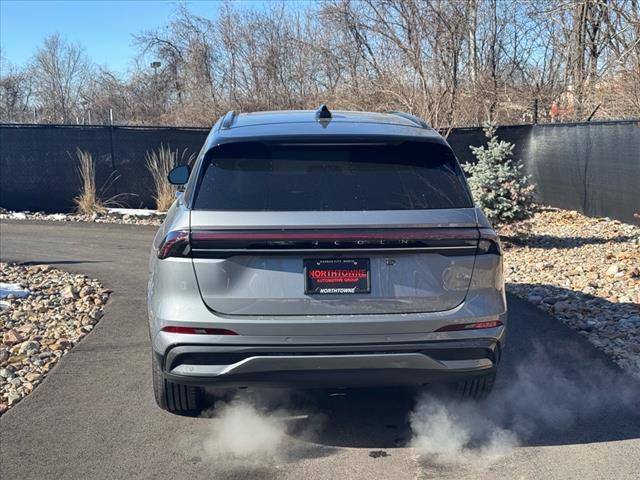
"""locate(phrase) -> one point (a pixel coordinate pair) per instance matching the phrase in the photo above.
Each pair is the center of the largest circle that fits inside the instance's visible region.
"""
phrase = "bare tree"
(60, 71)
(452, 62)
(16, 89)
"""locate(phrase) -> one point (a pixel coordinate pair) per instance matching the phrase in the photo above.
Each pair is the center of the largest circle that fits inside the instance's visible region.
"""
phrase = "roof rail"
(323, 113)
(417, 120)
(228, 119)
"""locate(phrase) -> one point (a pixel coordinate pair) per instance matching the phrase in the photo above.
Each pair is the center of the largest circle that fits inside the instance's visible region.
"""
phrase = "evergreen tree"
(497, 182)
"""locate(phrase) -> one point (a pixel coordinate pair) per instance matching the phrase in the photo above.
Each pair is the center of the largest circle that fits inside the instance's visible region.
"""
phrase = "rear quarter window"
(261, 177)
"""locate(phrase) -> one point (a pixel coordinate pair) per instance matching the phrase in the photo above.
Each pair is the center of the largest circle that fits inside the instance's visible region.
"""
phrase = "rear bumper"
(331, 365)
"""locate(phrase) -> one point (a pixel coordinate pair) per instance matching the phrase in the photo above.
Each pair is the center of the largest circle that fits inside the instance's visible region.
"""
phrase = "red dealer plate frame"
(341, 276)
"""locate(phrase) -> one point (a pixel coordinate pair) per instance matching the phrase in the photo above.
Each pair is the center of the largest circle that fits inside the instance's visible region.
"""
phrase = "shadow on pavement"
(58, 262)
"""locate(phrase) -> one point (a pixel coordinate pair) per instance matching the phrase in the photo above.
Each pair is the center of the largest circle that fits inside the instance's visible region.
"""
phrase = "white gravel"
(129, 216)
(39, 328)
(585, 272)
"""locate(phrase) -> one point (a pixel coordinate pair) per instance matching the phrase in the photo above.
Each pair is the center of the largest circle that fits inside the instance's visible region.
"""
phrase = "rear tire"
(478, 387)
(174, 397)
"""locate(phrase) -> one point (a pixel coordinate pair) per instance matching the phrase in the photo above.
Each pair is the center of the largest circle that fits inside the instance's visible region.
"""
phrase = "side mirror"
(179, 175)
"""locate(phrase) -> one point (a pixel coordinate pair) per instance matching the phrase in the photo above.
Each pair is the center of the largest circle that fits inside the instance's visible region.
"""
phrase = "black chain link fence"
(590, 167)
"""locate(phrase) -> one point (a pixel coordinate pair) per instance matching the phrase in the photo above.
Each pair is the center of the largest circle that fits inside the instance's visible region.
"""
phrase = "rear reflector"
(198, 331)
(470, 326)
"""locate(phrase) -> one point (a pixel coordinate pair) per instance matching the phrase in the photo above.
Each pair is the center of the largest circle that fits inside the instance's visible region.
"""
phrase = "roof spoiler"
(417, 120)
(228, 119)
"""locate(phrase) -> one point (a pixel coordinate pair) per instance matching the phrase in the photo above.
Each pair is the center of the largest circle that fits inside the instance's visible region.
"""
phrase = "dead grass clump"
(88, 202)
(160, 162)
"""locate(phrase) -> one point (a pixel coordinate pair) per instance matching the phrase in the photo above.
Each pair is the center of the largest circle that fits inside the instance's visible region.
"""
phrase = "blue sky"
(103, 27)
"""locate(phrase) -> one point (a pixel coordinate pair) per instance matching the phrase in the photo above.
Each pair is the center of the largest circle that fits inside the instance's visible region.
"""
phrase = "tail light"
(198, 331)
(470, 326)
(175, 244)
(489, 242)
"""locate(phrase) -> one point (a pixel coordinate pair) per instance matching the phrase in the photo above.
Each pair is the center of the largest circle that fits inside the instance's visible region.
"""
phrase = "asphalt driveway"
(94, 415)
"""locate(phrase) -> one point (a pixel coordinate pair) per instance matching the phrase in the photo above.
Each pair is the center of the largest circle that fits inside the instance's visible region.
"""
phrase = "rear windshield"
(260, 177)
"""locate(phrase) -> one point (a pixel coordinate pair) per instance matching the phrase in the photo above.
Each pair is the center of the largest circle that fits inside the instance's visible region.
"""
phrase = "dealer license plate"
(337, 276)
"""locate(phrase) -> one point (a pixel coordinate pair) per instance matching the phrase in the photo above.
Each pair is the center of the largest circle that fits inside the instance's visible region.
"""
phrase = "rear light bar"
(198, 331)
(221, 244)
(341, 235)
(453, 241)
(470, 326)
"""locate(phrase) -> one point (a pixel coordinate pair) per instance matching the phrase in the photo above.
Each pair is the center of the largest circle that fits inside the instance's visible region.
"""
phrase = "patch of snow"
(14, 289)
(19, 215)
(134, 212)
(57, 216)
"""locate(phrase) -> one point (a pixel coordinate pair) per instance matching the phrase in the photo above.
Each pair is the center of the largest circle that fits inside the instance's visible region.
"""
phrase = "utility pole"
(113, 153)
(84, 104)
(155, 65)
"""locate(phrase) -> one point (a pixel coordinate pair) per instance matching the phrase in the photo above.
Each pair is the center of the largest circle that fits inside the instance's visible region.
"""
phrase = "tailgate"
(249, 263)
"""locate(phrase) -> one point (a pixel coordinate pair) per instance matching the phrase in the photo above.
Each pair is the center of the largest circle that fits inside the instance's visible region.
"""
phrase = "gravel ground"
(128, 216)
(585, 272)
(38, 329)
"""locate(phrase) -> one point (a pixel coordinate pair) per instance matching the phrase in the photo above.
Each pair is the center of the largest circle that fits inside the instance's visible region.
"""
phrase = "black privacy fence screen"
(593, 168)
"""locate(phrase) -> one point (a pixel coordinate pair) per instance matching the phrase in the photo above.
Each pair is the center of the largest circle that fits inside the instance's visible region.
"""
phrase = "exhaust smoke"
(544, 399)
(541, 399)
(244, 431)
(250, 428)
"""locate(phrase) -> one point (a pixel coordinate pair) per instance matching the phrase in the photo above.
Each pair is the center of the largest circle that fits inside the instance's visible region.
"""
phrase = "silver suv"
(319, 248)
